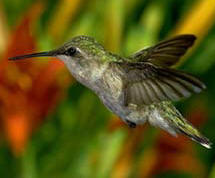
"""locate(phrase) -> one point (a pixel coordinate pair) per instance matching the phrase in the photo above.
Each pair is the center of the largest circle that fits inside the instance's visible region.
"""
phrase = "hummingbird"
(138, 88)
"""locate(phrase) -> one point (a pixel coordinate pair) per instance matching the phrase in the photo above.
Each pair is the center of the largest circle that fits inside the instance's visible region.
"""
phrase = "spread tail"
(168, 118)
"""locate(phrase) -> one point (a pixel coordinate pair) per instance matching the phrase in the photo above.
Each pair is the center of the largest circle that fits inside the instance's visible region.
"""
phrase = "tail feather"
(198, 138)
(167, 117)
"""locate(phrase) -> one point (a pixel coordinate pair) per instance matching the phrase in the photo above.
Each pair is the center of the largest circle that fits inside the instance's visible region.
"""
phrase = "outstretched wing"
(146, 83)
(165, 53)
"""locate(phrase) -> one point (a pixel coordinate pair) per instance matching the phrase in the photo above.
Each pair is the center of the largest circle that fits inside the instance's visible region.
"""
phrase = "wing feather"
(165, 53)
(151, 91)
(147, 84)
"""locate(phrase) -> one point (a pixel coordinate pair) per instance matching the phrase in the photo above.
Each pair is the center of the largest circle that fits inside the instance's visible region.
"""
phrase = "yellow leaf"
(62, 17)
(198, 20)
(3, 30)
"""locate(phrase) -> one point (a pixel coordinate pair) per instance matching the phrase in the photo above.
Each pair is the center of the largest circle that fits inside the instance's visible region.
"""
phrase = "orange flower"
(28, 91)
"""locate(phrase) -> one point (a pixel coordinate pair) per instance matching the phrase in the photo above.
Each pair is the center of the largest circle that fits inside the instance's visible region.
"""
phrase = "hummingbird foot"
(130, 124)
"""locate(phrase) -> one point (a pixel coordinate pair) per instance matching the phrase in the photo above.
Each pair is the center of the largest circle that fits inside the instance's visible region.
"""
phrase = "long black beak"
(41, 54)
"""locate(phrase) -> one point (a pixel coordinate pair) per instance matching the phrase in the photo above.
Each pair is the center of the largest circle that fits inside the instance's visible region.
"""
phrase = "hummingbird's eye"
(71, 51)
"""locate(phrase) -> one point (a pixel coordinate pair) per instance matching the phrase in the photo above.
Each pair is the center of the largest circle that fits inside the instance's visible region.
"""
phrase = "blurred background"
(53, 127)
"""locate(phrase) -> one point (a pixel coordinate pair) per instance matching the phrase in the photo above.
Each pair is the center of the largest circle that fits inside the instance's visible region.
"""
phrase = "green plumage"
(178, 124)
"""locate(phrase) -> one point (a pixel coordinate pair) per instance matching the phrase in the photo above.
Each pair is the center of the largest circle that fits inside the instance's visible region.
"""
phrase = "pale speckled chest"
(111, 82)
(102, 78)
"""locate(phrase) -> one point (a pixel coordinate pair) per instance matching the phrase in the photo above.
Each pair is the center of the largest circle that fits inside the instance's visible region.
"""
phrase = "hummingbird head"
(79, 48)
(82, 55)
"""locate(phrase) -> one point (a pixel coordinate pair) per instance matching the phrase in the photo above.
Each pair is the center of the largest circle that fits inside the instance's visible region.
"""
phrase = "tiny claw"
(131, 124)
